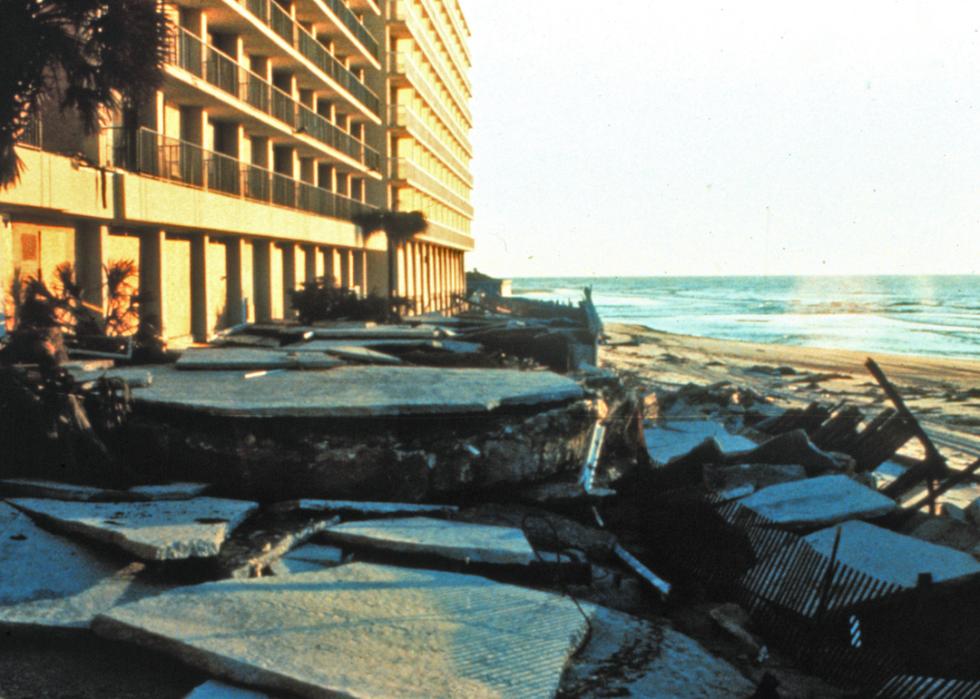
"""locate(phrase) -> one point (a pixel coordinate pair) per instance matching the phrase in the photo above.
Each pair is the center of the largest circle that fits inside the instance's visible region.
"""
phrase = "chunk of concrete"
(364, 630)
(818, 502)
(136, 377)
(356, 391)
(792, 447)
(461, 541)
(51, 582)
(307, 559)
(631, 657)
(213, 689)
(27, 487)
(170, 491)
(894, 558)
(245, 358)
(973, 511)
(730, 478)
(382, 332)
(355, 353)
(368, 508)
(677, 437)
(152, 531)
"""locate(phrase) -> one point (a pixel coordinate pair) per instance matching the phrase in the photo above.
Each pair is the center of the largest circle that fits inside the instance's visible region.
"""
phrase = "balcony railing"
(405, 64)
(223, 72)
(400, 115)
(351, 21)
(149, 153)
(403, 169)
(296, 36)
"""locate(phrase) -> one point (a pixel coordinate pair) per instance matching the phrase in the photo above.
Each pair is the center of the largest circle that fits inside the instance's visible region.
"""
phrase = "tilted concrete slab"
(357, 353)
(461, 541)
(364, 631)
(28, 487)
(892, 557)
(244, 358)
(818, 501)
(152, 531)
(356, 391)
(170, 491)
(308, 558)
(369, 508)
(379, 332)
(48, 581)
(632, 657)
(678, 437)
(136, 377)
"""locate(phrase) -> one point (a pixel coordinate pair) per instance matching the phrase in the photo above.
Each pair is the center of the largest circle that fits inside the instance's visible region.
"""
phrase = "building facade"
(275, 124)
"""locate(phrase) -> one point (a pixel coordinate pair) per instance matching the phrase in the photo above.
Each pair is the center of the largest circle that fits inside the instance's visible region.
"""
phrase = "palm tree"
(86, 54)
(398, 227)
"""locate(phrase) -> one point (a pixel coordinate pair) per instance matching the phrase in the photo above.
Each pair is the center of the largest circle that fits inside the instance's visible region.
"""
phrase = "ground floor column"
(236, 311)
(199, 288)
(91, 248)
(151, 291)
(262, 279)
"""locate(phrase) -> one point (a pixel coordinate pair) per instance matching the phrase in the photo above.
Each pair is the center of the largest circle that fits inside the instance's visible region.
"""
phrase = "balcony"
(277, 19)
(406, 170)
(148, 153)
(417, 27)
(403, 117)
(354, 25)
(219, 69)
(405, 65)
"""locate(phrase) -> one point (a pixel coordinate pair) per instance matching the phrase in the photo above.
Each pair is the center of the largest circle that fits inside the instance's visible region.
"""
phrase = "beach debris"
(356, 391)
(734, 620)
(308, 558)
(792, 447)
(244, 359)
(459, 541)
(49, 581)
(264, 538)
(891, 557)
(170, 491)
(32, 488)
(152, 531)
(678, 437)
(947, 532)
(661, 586)
(366, 508)
(629, 656)
(362, 354)
(726, 479)
(354, 629)
(818, 501)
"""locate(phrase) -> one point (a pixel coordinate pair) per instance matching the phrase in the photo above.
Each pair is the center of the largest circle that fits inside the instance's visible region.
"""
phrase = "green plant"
(319, 299)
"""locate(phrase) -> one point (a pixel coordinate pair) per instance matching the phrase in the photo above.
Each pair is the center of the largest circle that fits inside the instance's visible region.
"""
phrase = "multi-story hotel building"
(277, 121)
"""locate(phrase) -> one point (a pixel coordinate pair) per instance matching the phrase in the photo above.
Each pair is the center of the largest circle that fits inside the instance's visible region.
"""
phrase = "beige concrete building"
(277, 121)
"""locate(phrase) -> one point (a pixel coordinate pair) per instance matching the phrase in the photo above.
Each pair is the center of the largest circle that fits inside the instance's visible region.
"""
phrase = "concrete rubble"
(818, 502)
(151, 531)
(461, 541)
(355, 630)
(222, 358)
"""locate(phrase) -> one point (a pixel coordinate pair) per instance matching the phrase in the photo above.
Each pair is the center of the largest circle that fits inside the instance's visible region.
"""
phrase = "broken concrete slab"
(136, 377)
(461, 541)
(632, 657)
(244, 358)
(364, 630)
(152, 531)
(308, 558)
(894, 558)
(356, 353)
(731, 478)
(792, 447)
(382, 332)
(52, 582)
(170, 491)
(948, 532)
(213, 689)
(366, 507)
(264, 539)
(356, 391)
(818, 502)
(678, 437)
(27, 487)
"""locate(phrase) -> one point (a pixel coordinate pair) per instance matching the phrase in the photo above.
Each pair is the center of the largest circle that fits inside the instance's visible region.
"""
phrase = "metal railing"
(400, 115)
(360, 32)
(402, 63)
(296, 36)
(149, 153)
(404, 169)
(225, 73)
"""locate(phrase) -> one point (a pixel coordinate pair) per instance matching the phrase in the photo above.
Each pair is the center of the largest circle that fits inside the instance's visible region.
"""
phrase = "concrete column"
(152, 299)
(199, 288)
(362, 272)
(351, 268)
(309, 263)
(319, 266)
(345, 268)
(417, 276)
(235, 310)
(262, 279)
(91, 247)
(288, 275)
(409, 286)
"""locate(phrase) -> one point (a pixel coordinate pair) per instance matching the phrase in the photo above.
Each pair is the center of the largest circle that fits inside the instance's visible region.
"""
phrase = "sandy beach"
(943, 393)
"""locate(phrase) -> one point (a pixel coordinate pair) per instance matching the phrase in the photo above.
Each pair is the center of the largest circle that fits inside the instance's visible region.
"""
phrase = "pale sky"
(649, 137)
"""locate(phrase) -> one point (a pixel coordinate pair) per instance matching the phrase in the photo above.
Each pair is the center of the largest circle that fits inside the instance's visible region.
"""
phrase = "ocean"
(928, 315)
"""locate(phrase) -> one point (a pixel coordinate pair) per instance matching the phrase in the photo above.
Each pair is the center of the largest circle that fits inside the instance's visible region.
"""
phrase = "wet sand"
(944, 394)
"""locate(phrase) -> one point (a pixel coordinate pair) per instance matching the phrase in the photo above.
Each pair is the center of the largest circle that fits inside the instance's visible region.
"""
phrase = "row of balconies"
(419, 30)
(402, 116)
(404, 64)
(356, 27)
(222, 71)
(149, 153)
(403, 169)
(290, 31)
(460, 44)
